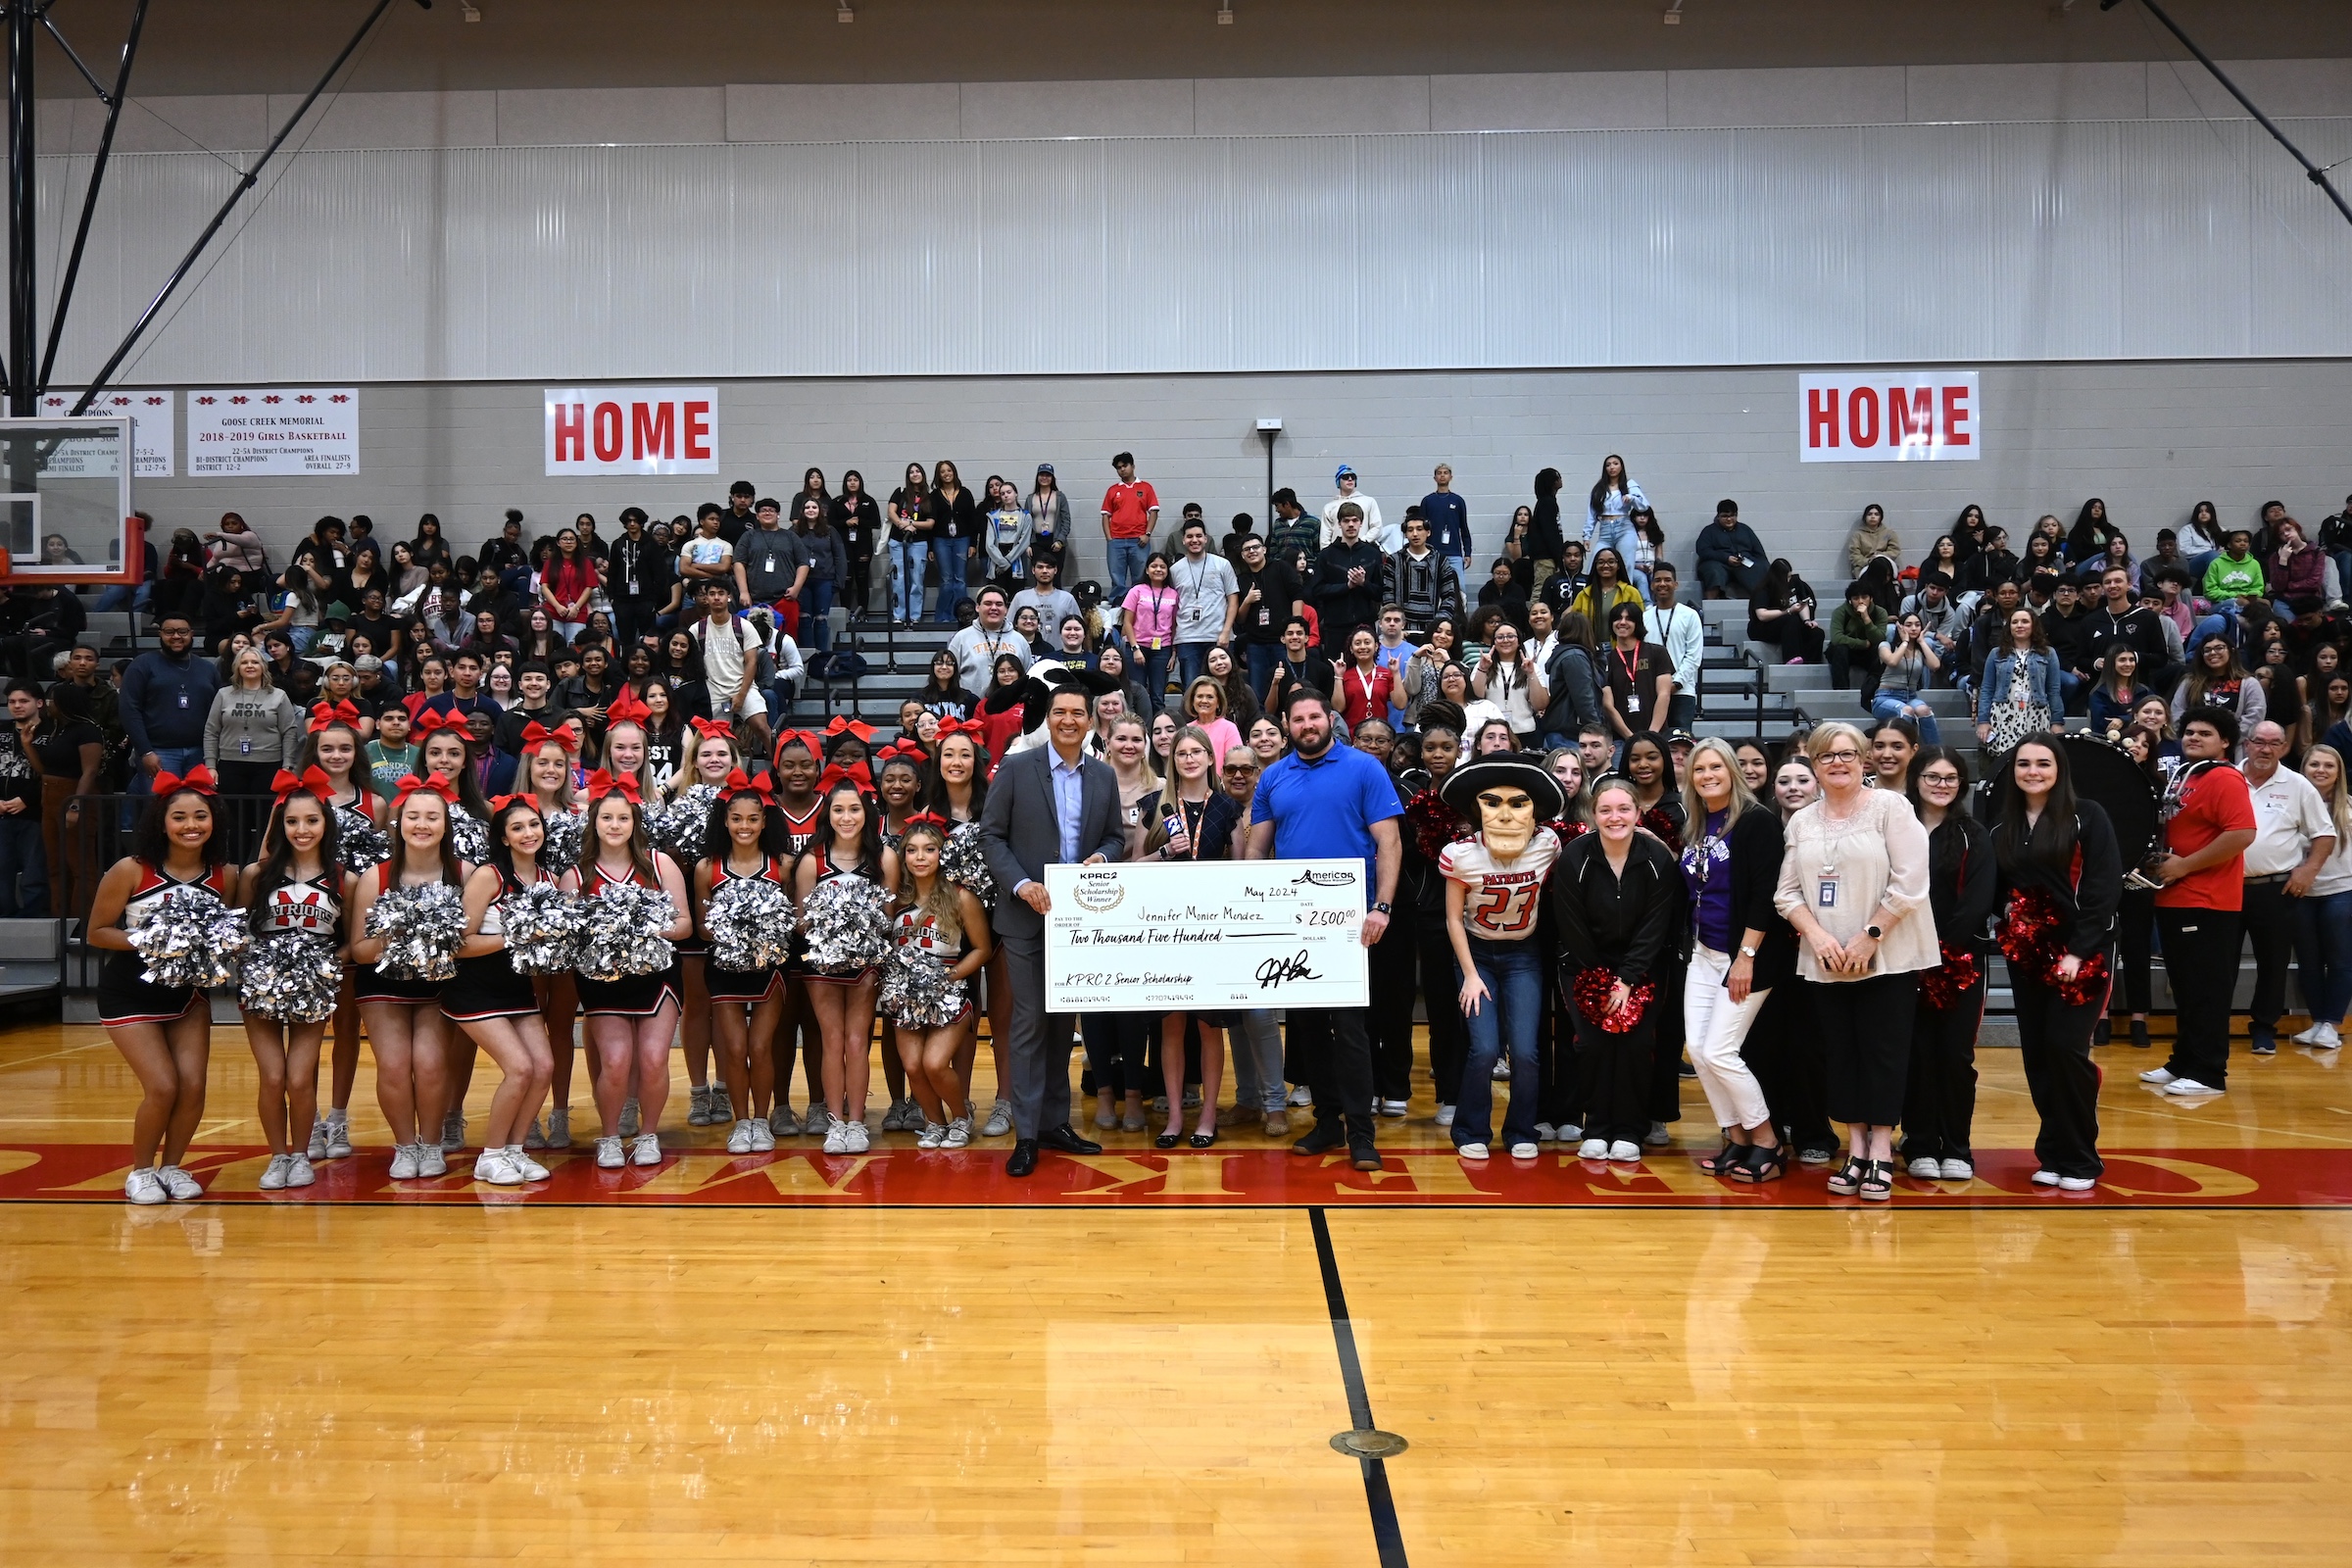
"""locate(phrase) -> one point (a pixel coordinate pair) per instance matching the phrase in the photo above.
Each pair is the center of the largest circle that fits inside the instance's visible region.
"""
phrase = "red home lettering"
(1910, 415)
(1821, 416)
(1856, 401)
(607, 433)
(571, 433)
(652, 430)
(698, 430)
(1956, 413)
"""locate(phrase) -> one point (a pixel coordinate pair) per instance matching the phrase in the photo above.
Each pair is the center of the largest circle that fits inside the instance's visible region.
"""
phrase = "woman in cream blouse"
(1854, 884)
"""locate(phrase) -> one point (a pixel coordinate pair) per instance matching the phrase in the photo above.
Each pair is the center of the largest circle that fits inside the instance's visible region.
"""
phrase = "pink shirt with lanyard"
(1155, 613)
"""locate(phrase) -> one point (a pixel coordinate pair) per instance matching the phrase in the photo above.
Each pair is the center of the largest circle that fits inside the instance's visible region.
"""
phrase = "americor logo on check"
(1325, 879)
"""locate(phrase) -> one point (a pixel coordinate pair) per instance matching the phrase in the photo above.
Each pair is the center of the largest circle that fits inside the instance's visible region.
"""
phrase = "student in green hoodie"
(2230, 578)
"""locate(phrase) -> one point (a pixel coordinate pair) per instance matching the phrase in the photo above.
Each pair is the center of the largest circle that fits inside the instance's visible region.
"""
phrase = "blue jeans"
(122, 596)
(21, 861)
(1127, 557)
(816, 616)
(2324, 955)
(952, 555)
(1155, 678)
(1889, 702)
(171, 760)
(1513, 974)
(2222, 619)
(1263, 657)
(1191, 662)
(906, 559)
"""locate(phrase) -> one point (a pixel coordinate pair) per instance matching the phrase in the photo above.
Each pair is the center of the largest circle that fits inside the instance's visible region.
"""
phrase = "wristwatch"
(1873, 933)
(1748, 952)
(1381, 908)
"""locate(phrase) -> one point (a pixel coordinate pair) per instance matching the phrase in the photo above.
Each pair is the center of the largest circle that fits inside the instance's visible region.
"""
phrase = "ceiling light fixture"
(1674, 14)
(1225, 14)
(471, 12)
(843, 13)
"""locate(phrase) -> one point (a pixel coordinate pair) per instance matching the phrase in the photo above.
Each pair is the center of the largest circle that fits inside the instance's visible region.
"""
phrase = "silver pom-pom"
(190, 938)
(469, 836)
(750, 920)
(544, 926)
(916, 991)
(292, 976)
(421, 928)
(846, 924)
(360, 844)
(624, 925)
(679, 826)
(963, 863)
(566, 832)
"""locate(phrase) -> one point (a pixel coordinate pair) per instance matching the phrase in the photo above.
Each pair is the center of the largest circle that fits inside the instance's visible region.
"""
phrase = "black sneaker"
(1326, 1135)
(2265, 1045)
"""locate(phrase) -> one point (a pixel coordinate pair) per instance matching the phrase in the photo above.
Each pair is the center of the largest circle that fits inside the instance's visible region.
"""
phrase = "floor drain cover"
(1369, 1445)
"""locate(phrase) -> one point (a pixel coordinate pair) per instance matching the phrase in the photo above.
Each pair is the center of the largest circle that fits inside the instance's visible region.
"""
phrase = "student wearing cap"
(1130, 512)
(1390, 540)
(1049, 511)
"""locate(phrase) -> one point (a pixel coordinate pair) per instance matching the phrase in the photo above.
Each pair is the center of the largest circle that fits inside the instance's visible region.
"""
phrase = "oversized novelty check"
(1210, 937)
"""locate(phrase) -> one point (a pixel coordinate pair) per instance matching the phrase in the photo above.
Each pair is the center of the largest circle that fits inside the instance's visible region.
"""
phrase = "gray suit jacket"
(1021, 835)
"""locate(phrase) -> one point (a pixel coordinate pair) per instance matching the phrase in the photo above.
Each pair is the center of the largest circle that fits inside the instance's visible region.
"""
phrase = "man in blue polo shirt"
(1326, 801)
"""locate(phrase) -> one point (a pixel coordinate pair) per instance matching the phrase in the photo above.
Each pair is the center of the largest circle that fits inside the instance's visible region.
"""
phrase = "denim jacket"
(2043, 678)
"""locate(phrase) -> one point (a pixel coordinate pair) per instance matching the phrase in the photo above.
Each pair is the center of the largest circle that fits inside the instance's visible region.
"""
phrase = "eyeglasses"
(1839, 756)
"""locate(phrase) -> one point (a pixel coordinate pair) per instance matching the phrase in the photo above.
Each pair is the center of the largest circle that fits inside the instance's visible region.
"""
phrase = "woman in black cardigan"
(1741, 950)
(1616, 893)
(1940, 1096)
(2061, 879)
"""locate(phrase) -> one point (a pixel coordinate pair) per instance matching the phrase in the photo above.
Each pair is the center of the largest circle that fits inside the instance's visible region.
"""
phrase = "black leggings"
(1613, 1077)
(1865, 1029)
(2054, 1039)
(1783, 1050)
(1939, 1100)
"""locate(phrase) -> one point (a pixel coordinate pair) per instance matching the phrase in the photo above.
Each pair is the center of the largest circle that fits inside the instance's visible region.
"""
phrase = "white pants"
(1714, 1026)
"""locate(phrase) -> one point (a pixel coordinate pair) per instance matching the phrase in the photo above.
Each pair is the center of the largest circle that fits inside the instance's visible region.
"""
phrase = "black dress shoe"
(1067, 1141)
(1022, 1161)
(1328, 1134)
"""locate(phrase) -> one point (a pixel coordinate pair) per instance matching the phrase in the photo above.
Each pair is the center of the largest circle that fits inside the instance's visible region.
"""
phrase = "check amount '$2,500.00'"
(1206, 937)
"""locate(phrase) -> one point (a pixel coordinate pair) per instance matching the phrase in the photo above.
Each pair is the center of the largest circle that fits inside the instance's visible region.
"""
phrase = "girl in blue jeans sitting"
(1493, 890)
(1910, 663)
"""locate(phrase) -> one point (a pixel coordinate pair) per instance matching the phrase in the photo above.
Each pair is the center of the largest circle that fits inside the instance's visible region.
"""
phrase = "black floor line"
(1385, 1532)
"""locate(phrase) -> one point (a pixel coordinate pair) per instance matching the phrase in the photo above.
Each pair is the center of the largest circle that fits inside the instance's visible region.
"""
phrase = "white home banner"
(1888, 417)
(151, 427)
(632, 429)
(240, 430)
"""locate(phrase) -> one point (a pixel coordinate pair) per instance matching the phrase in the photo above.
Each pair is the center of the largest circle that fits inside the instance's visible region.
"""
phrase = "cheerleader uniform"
(801, 831)
(486, 985)
(123, 995)
(632, 995)
(366, 985)
(315, 906)
(921, 932)
(827, 871)
(740, 984)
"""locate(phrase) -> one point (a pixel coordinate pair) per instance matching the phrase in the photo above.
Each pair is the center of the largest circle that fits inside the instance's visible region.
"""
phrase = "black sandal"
(1762, 1164)
(1878, 1185)
(1851, 1176)
(1723, 1161)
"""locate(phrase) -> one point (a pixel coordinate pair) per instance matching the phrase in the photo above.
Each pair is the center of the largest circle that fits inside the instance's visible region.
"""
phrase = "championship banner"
(1205, 936)
(1888, 417)
(239, 432)
(151, 429)
(631, 429)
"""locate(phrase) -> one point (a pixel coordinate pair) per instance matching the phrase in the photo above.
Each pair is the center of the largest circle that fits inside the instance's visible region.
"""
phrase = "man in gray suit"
(1052, 805)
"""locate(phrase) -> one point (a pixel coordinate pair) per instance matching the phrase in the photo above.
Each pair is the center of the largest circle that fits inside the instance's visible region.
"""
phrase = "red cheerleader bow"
(199, 779)
(314, 780)
(437, 784)
(931, 820)
(498, 802)
(323, 714)
(902, 749)
(712, 729)
(624, 785)
(807, 737)
(432, 720)
(536, 735)
(741, 783)
(963, 726)
(843, 724)
(627, 708)
(856, 773)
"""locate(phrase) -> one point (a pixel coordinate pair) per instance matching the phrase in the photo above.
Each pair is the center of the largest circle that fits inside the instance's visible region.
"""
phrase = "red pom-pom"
(1435, 824)
(2029, 941)
(1566, 831)
(1593, 988)
(1942, 988)
(1657, 821)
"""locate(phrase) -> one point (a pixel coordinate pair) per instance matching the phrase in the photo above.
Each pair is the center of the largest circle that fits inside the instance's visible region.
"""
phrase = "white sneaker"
(2323, 1037)
(837, 1139)
(453, 1131)
(697, 1106)
(1545, 1133)
(1569, 1132)
(1957, 1170)
(2077, 1183)
(1471, 1151)
(2157, 1075)
(629, 1114)
(144, 1186)
(299, 1172)
(1592, 1149)
(647, 1151)
(318, 1149)
(1623, 1153)
(274, 1175)
(432, 1161)
(813, 1124)
(959, 1133)
(1300, 1096)
(1658, 1137)
(1445, 1115)
(738, 1140)
(1927, 1169)
(1502, 1070)
(1395, 1107)
(491, 1166)
(855, 1139)
(1525, 1151)
(782, 1123)
(763, 1142)
(531, 1169)
(404, 1162)
(2046, 1178)
(934, 1135)
(2189, 1086)
(722, 1106)
(338, 1135)
(999, 1120)
(559, 1127)
(179, 1184)
(608, 1156)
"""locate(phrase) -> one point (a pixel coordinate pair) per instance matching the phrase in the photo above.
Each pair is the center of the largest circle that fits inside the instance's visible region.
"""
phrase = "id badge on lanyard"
(1826, 893)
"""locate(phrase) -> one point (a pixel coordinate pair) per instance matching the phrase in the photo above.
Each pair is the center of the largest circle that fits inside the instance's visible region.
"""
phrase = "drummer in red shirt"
(2207, 823)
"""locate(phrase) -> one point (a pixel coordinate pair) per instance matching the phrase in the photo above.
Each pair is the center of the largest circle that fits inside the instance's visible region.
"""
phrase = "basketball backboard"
(65, 500)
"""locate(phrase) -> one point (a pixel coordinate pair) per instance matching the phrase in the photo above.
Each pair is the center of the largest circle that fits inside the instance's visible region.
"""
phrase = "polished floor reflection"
(855, 1383)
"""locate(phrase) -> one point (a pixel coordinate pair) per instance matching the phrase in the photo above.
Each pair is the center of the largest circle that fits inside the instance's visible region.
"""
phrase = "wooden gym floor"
(1145, 1357)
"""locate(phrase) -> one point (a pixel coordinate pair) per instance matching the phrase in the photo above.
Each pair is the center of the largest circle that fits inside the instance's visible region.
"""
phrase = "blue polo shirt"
(1324, 810)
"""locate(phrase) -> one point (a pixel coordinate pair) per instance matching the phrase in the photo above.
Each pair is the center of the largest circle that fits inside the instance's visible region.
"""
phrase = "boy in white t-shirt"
(1494, 894)
(706, 556)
